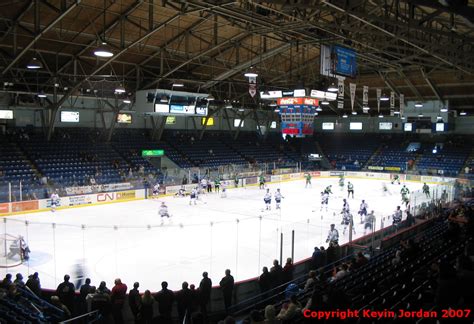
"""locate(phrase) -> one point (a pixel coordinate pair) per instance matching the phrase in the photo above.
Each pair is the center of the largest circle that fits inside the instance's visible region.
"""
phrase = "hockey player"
(369, 222)
(345, 206)
(347, 220)
(156, 190)
(328, 190)
(324, 200)
(333, 236)
(426, 190)
(181, 192)
(397, 216)
(278, 198)
(261, 180)
(308, 180)
(203, 185)
(163, 212)
(193, 196)
(363, 211)
(341, 182)
(54, 201)
(396, 178)
(217, 185)
(385, 190)
(405, 192)
(350, 189)
(268, 200)
(236, 180)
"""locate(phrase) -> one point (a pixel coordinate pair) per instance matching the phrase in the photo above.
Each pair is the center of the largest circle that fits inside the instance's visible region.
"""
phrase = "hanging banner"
(365, 96)
(379, 94)
(402, 103)
(340, 93)
(352, 88)
(252, 86)
(392, 100)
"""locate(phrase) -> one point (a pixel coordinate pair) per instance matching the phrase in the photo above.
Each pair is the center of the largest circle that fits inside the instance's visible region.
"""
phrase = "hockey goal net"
(10, 252)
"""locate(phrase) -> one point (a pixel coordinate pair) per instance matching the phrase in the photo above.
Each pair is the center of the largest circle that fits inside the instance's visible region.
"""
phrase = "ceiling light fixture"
(420, 114)
(462, 113)
(418, 105)
(319, 109)
(444, 109)
(324, 102)
(354, 112)
(42, 94)
(384, 97)
(251, 73)
(381, 115)
(332, 87)
(177, 85)
(103, 50)
(34, 64)
(120, 89)
(344, 116)
(127, 101)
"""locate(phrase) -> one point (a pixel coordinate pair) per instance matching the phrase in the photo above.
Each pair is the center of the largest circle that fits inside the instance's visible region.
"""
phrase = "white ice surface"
(188, 245)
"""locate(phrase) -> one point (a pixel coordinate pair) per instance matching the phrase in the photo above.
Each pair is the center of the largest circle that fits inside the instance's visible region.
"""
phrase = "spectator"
(361, 260)
(85, 289)
(270, 315)
(101, 301)
(290, 310)
(311, 281)
(7, 281)
(194, 299)
(65, 292)
(341, 272)
(34, 284)
(146, 311)
(276, 273)
(89, 298)
(204, 293)
(117, 298)
(397, 258)
(134, 301)
(19, 280)
(184, 301)
(56, 302)
(288, 270)
(265, 281)
(103, 288)
(165, 299)
(316, 258)
(227, 286)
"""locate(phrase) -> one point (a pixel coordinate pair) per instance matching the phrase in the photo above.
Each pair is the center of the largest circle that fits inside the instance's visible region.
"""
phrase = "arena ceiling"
(421, 48)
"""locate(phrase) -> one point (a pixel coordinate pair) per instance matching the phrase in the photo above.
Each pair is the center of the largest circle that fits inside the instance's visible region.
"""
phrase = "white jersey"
(333, 236)
(345, 207)
(397, 216)
(363, 207)
(163, 211)
(194, 194)
(267, 198)
(278, 196)
(54, 198)
(324, 198)
(204, 183)
(156, 189)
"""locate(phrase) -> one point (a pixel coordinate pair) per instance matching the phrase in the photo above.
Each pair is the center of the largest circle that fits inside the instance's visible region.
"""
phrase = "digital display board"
(162, 108)
(273, 124)
(237, 123)
(209, 121)
(170, 120)
(408, 127)
(69, 116)
(385, 126)
(124, 118)
(153, 153)
(440, 127)
(328, 126)
(6, 114)
(355, 126)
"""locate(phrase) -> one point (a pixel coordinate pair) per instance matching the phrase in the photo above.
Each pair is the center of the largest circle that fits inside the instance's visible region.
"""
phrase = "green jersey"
(308, 177)
(350, 186)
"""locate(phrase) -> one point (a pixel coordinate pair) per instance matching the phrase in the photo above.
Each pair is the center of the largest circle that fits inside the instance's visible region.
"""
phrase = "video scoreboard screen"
(182, 104)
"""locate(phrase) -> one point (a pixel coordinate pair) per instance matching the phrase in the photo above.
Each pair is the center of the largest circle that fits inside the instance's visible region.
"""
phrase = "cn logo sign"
(105, 197)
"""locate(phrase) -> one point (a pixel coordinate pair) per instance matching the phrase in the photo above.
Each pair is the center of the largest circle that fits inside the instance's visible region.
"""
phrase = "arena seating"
(346, 150)
(22, 306)
(450, 158)
(393, 153)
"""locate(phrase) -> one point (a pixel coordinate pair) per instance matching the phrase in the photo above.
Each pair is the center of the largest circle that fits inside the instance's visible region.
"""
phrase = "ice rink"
(127, 239)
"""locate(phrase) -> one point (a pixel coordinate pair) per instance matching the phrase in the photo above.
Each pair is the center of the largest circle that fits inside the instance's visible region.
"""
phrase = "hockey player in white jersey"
(324, 200)
(369, 222)
(397, 216)
(156, 190)
(268, 200)
(347, 220)
(193, 196)
(345, 205)
(333, 236)
(163, 212)
(54, 201)
(278, 198)
(363, 211)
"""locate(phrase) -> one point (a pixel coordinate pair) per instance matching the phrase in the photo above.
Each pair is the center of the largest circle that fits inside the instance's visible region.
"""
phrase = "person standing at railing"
(205, 287)
(227, 286)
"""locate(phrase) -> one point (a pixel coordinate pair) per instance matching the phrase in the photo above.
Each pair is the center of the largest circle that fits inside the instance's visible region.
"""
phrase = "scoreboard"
(297, 115)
